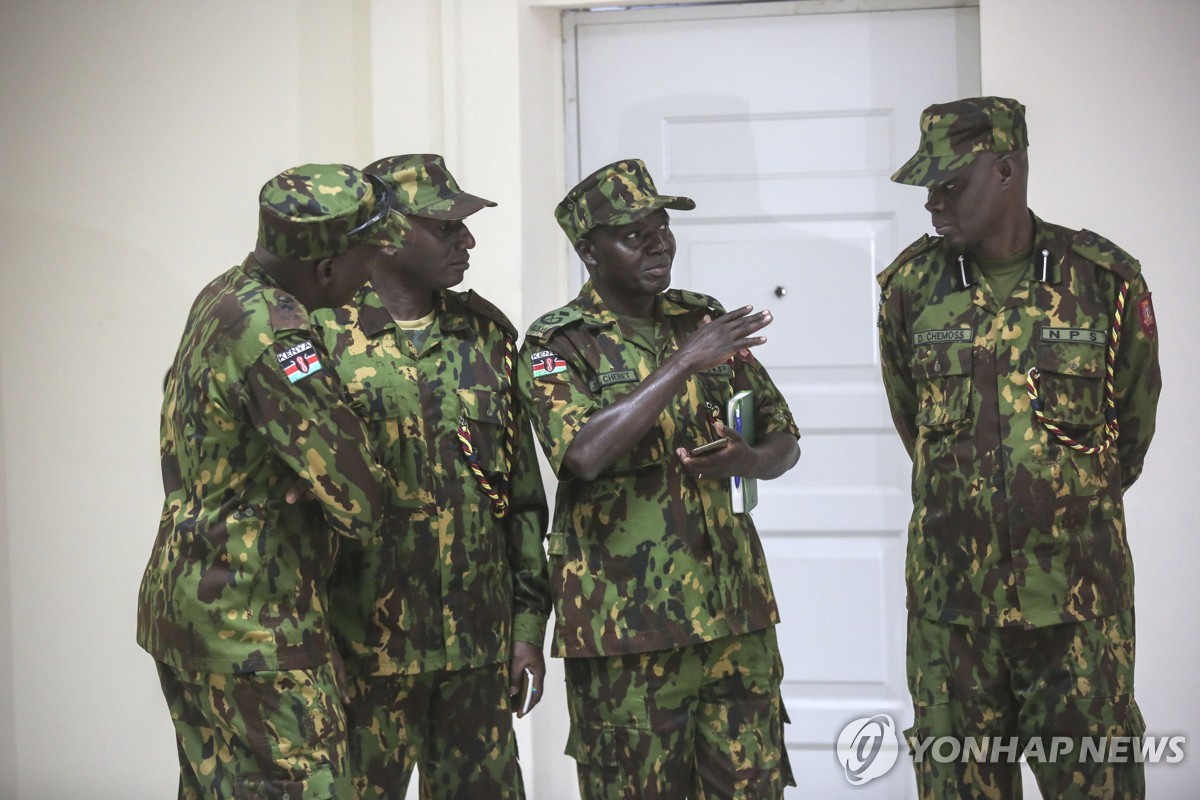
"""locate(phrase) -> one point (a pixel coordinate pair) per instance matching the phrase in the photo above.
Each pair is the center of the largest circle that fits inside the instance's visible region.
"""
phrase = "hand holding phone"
(709, 447)
(528, 690)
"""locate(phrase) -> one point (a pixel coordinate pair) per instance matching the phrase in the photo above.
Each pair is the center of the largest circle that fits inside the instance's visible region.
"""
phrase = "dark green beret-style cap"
(617, 194)
(318, 211)
(952, 134)
(423, 187)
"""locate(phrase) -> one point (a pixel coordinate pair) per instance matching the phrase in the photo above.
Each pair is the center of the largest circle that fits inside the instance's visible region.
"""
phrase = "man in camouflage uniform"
(994, 337)
(439, 621)
(664, 608)
(232, 604)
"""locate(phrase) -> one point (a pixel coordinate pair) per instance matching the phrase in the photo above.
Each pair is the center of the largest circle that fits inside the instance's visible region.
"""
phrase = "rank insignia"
(546, 363)
(299, 361)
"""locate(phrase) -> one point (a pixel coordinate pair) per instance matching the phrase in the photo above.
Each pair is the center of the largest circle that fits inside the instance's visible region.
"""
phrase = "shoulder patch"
(299, 361)
(919, 247)
(485, 308)
(1103, 253)
(547, 324)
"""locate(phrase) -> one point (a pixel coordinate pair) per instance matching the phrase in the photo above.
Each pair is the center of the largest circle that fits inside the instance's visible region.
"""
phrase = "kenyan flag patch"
(546, 363)
(299, 361)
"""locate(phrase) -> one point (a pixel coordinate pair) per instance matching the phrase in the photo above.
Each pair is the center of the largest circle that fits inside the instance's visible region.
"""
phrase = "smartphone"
(709, 447)
(526, 700)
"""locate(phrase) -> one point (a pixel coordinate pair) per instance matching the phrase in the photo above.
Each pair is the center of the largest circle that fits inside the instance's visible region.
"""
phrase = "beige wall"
(134, 137)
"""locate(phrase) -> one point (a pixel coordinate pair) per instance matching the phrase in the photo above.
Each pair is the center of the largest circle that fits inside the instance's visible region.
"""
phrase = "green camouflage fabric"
(236, 580)
(644, 557)
(1072, 681)
(1010, 527)
(318, 211)
(455, 727)
(449, 586)
(704, 720)
(271, 734)
(952, 134)
(423, 187)
(617, 194)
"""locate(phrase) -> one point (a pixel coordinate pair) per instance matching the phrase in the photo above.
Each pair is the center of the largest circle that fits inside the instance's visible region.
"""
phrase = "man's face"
(435, 256)
(965, 208)
(631, 260)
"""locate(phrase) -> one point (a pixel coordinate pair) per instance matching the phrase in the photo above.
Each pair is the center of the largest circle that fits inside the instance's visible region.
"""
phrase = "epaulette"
(1103, 253)
(695, 300)
(920, 246)
(484, 308)
(544, 326)
(286, 313)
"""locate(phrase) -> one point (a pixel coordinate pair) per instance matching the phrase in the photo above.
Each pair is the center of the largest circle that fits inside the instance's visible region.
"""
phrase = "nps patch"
(1145, 315)
(299, 362)
(546, 363)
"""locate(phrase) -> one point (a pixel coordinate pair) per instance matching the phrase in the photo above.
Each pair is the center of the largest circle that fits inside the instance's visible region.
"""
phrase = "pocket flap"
(1083, 360)
(481, 405)
(941, 360)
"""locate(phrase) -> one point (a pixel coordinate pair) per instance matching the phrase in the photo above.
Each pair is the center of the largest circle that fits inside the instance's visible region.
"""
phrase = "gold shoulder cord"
(1111, 425)
(499, 496)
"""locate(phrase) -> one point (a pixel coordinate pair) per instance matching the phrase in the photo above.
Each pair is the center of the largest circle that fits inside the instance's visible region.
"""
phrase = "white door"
(784, 127)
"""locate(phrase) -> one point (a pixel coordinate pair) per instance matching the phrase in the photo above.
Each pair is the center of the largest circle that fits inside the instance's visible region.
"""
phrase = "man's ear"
(1006, 168)
(323, 271)
(586, 253)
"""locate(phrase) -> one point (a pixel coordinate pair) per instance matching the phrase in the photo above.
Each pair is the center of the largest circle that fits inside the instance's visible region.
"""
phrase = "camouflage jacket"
(450, 585)
(236, 580)
(644, 557)
(1011, 527)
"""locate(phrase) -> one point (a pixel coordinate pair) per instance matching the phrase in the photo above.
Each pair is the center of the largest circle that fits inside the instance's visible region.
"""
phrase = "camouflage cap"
(425, 188)
(318, 211)
(953, 133)
(617, 194)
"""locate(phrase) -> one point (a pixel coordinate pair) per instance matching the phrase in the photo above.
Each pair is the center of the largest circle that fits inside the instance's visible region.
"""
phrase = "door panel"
(785, 127)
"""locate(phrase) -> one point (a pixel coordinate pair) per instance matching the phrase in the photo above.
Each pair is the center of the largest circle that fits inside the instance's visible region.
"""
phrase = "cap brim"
(461, 207)
(649, 205)
(923, 170)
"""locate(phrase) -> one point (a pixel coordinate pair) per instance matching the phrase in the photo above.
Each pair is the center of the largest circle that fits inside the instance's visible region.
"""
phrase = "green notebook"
(740, 417)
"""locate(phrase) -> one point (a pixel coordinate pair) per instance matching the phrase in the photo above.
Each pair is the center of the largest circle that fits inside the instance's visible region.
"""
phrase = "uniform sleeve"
(526, 531)
(894, 361)
(771, 412)
(313, 431)
(558, 399)
(1137, 381)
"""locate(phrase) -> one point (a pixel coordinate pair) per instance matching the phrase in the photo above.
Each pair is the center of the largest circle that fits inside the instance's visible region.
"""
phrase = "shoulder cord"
(500, 496)
(1111, 425)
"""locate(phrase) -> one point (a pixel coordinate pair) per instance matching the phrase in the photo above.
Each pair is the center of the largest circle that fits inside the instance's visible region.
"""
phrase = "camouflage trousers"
(1071, 681)
(702, 722)
(455, 727)
(278, 735)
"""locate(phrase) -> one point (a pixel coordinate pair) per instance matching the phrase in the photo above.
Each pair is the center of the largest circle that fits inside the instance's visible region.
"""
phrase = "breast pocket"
(393, 418)
(1071, 383)
(942, 373)
(486, 415)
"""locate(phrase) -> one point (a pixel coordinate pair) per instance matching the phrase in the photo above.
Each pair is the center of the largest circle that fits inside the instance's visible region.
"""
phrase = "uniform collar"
(1045, 266)
(375, 319)
(597, 313)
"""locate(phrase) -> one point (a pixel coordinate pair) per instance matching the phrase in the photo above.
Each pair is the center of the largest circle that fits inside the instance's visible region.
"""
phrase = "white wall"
(1112, 108)
(134, 137)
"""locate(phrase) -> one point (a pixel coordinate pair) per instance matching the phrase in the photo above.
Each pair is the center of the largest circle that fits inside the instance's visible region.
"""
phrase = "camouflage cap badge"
(617, 194)
(318, 211)
(952, 134)
(425, 188)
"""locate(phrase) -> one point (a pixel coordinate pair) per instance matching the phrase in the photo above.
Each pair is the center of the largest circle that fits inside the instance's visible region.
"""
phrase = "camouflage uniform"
(426, 619)
(663, 605)
(1012, 529)
(232, 604)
